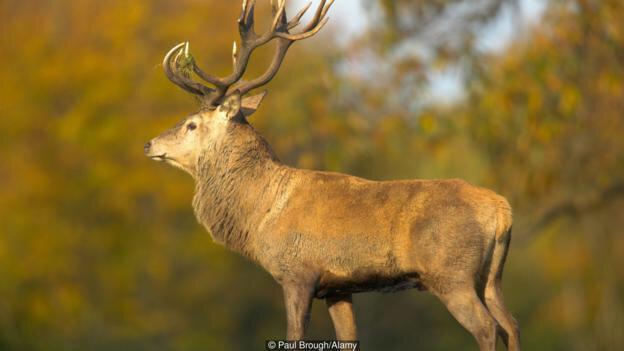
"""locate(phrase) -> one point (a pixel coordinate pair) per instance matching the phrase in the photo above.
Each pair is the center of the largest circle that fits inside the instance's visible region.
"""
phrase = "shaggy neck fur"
(233, 181)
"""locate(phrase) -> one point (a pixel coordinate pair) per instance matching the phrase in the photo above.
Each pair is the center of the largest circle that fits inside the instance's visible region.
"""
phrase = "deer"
(325, 235)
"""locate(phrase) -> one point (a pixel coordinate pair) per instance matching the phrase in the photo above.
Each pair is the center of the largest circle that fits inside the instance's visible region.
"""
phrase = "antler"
(178, 63)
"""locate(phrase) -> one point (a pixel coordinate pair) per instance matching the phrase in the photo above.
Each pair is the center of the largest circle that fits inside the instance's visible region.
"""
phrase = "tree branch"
(576, 208)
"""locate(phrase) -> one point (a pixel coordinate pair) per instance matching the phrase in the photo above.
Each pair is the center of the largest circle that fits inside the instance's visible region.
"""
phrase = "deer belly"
(365, 280)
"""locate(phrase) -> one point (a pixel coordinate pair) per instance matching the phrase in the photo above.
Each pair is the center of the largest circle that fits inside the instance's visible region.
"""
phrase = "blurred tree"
(540, 124)
(548, 115)
(407, 42)
(99, 248)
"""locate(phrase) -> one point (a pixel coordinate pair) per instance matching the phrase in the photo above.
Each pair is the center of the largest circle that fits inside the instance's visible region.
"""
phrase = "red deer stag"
(328, 235)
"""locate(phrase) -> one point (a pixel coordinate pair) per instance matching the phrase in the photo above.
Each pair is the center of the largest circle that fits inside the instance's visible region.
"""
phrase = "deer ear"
(251, 103)
(231, 106)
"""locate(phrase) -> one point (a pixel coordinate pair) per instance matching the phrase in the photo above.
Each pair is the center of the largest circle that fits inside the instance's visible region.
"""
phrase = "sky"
(446, 86)
(347, 17)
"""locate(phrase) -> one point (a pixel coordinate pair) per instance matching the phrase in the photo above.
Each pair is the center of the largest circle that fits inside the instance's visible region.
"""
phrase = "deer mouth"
(160, 158)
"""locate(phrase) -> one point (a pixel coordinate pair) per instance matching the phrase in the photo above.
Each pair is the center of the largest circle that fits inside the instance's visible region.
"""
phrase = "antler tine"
(278, 19)
(326, 9)
(234, 54)
(295, 21)
(246, 20)
(275, 6)
(241, 18)
(171, 71)
(318, 16)
(304, 35)
(315, 25)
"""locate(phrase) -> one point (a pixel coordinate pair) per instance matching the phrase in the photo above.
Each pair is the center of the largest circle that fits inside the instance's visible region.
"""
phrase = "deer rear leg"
(508, 326)
(508, 330)
(340, 308)
(298, 301)
(469, 311)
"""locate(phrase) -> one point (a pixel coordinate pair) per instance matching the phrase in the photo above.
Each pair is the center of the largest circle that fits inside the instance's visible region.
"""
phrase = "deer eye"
(191, 126)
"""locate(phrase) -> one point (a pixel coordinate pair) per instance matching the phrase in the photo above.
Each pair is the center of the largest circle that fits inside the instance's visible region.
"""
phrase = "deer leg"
(508, 330)
(298, 300)
(340, 308)
(470, 312)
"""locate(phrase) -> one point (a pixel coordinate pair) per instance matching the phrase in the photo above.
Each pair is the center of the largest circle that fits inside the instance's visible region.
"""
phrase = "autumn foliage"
(99, 248)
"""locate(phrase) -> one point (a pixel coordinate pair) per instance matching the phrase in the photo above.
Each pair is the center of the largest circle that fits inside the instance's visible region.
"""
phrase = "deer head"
(223, 105)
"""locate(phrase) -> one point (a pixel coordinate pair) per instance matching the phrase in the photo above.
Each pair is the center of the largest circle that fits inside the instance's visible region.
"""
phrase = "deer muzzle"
(149, 151)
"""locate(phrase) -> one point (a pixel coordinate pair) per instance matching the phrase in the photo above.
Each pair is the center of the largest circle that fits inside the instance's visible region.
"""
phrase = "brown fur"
(328, 235)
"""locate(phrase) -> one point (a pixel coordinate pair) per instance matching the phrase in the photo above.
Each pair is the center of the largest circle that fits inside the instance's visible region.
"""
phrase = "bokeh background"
(99, 248)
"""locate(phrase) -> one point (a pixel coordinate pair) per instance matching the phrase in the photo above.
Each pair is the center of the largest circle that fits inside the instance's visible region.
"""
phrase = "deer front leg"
(298, 300)
(340, 308)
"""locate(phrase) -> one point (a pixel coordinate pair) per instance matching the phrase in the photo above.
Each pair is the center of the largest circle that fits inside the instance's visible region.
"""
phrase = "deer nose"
(147, 146)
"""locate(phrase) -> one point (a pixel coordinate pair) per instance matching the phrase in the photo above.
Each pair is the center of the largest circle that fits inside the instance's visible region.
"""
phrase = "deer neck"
(235, 189)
